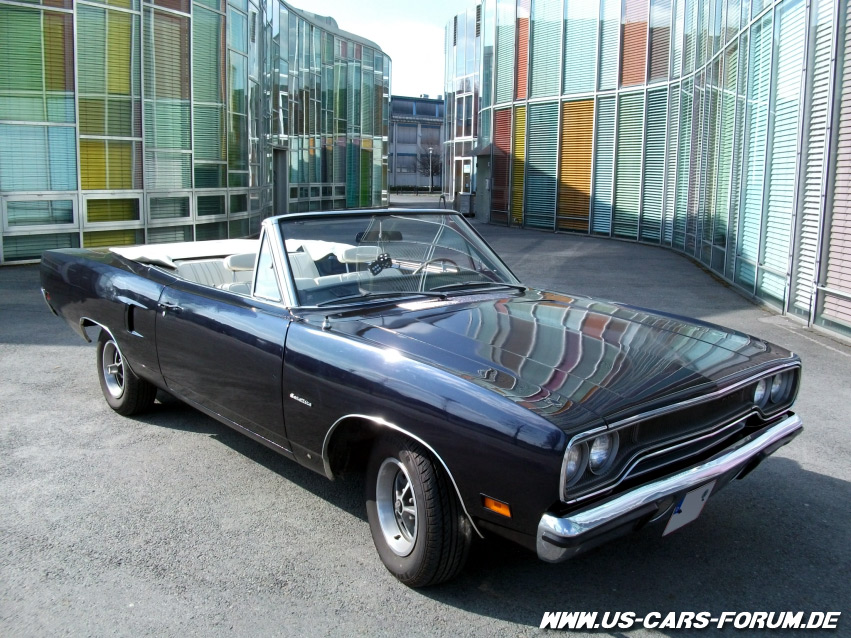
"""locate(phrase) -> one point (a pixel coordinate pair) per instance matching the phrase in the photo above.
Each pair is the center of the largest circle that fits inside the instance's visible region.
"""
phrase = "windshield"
(352, 259)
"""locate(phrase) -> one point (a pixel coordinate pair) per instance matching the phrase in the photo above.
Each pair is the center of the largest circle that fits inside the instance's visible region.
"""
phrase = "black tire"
(433, 546)
(125, 393)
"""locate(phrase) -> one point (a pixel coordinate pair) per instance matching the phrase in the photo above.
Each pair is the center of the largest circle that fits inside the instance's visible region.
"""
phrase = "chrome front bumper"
(560, 538)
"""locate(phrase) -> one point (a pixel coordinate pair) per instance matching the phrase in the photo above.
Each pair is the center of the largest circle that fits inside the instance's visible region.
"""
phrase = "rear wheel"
(125, 393)
(417, 524)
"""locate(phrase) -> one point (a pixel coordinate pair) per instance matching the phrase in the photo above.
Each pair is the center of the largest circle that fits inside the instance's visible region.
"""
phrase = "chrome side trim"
(84, 320)
(587, 521)
(326, 461)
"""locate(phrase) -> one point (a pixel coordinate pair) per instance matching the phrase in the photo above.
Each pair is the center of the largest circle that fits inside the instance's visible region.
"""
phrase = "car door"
(224, 351)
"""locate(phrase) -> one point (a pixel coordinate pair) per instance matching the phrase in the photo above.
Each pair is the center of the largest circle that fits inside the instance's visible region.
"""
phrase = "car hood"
(569, 358)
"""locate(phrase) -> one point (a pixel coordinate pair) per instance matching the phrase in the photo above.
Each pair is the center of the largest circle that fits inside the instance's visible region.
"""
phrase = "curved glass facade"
(127, 122)
(718, 128)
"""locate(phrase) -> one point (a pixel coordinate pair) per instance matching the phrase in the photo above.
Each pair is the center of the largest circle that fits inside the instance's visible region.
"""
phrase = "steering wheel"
(425, 264)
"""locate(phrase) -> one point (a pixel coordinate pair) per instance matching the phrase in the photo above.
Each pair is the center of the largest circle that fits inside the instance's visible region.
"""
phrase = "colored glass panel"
(654, 165)
(518, 165)
(628, 166)
(580, 46)
(541, 166)
(574, 188)
(604, 162)
(546, 35)
(522, 68)
(634, 50)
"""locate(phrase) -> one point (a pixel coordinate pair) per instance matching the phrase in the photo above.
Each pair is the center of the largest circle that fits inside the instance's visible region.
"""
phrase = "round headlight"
(778, 388)
(573, 462)
(760, 391)
(602, 450)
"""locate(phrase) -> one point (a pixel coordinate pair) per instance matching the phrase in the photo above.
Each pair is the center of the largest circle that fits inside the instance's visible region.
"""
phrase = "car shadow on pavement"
(345, 492)
(744, 553)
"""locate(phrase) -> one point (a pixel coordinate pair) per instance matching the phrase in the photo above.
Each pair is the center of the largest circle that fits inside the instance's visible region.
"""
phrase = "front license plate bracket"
(689, 507)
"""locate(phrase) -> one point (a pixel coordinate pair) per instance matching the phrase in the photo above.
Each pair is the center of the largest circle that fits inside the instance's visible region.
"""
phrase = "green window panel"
(167, 124)
(366, 175)
(729, 102)
(209, 130)
(580, 46)
(677, 38)
(216, 230)
(165, 170)
(37, 158)
(738, 145)
(610, 32)
(734, 14)
(813, 162)
(654, 165)
(759, 85)
(791, 36)
(541, 179)
(27, 247)
(238, 83)
(684, 153)
(238, 203)
(169, 234)
(207, 205)
(238, 143)
(690, 34)
(504, 51)
(546, 36)
(671, 166)
(40, 213)
(368, 104)
(628, 166)
(210, 175)
(698, 144)
(169, 207)
(709, 163)
(660, 39)
(604, 160)
(36, 65)
(238, 228)
(208, 57)
(352, 173)
(237, 31)
(377, 172)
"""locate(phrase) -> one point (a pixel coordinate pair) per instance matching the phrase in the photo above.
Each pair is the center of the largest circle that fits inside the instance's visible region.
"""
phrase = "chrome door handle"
(164, 306)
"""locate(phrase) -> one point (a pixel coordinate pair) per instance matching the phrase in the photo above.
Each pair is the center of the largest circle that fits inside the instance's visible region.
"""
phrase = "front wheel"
(417, 524)
(125, 393)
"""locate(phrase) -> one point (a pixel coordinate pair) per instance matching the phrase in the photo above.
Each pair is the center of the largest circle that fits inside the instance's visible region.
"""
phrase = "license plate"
(689, 508)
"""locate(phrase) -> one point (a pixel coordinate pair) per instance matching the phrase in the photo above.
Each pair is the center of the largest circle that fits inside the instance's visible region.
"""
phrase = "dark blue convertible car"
(397, 343)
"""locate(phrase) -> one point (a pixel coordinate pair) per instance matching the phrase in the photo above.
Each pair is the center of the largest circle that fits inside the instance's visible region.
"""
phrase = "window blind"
(628, 165)
(654, 165)
(541, 164)
(518, 165)
(574, 191)
(546, 35)
(604, 158)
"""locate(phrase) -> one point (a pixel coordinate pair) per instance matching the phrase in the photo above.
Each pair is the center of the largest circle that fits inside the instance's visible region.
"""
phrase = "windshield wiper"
(472, 285)
(370, 296)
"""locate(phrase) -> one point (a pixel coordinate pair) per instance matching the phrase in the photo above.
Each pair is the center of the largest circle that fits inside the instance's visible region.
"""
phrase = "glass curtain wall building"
(461, 97)
(718, 128)
(127, 122)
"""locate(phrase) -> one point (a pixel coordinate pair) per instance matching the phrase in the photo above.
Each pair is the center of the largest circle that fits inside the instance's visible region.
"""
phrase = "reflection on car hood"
(551, 353)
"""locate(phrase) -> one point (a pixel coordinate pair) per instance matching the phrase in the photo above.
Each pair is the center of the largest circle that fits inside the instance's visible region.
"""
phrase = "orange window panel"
(501, 165)
(634, 50)
(574, 190)
(524, 9)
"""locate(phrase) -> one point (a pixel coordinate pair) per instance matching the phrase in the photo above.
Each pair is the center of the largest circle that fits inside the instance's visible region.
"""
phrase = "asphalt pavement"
(173, 525)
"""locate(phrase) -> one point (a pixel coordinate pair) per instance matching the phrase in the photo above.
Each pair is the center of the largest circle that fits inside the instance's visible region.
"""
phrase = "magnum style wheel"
(125, 393)
(417, 524)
